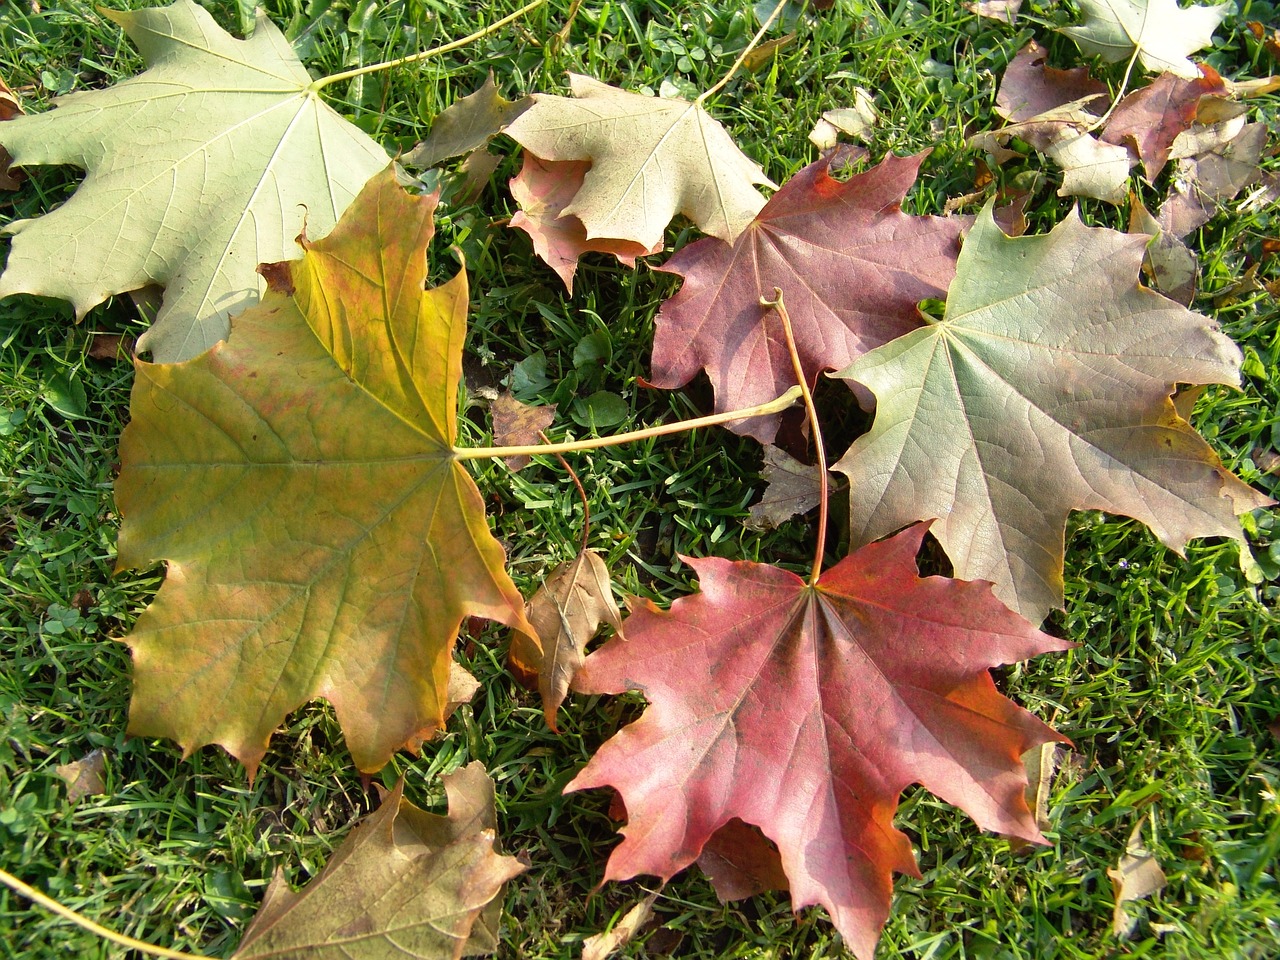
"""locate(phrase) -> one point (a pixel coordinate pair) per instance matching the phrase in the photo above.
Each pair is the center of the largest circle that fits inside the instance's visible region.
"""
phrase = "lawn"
(1171, 698)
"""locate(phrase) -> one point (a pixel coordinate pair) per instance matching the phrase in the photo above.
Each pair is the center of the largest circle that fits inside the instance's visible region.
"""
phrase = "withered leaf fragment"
(567, 611)
(404, 883)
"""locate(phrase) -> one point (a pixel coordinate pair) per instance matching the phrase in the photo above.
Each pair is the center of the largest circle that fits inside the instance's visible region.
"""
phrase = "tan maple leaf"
(651, 157)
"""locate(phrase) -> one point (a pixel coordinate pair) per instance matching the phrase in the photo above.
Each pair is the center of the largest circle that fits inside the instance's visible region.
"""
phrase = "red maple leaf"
(806, 710)
(851, 264)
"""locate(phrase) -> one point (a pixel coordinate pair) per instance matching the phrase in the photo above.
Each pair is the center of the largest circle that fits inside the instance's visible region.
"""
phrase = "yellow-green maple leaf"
(299, 479)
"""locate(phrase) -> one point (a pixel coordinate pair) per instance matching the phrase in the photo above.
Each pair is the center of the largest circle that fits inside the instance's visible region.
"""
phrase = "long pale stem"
(427, 54)
(1115, 101)
(742, 57)
(35, 896)
(680, 426)
(812, 412)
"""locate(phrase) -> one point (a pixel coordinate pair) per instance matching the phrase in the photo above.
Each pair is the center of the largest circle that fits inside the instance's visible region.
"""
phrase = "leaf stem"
(35, 896)
(812, 412)
(323, 82)
(776, 405)
(755, 42)
(582, 494)
(1115, 101)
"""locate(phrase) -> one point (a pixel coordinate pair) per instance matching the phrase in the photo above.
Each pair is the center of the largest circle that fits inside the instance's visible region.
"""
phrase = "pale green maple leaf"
(1163, 33)
(1044, 389)
(197, 170)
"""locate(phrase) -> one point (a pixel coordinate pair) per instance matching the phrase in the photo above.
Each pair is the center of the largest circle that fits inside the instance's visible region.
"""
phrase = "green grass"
(1167, 698)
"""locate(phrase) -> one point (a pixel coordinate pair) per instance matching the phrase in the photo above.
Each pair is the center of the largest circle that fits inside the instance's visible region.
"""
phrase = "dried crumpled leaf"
(517, 424)
(84, 776)
(567, 612)
(404, 883)
(856, 121)
(1204, 181)
(1137, 876)
(1169, 263)
(467, 125)
(1053, 111)
(605, 944)
(792, 488)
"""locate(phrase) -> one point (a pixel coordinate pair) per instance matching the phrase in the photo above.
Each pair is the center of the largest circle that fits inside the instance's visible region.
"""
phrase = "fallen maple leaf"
(404, 883)
(1044, 389)
(651, 158)
(1051, 110)
(1215, 162)
(299, 480)
(1030, 87)
(567, 612)
(1136, 876)
(543, 189)
(1153, 117)
(851, 264)
(1162, 33)
(792, 488)
(806, 710)
(197, 170)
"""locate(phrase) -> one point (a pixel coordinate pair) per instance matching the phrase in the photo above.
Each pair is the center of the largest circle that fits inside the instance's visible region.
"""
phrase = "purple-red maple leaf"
(1150, 119)
(806, 710)
(851, 265)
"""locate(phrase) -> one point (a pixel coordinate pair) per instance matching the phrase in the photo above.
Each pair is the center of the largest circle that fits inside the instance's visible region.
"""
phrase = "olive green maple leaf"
(300, 481)
(197, 170)
(1044, 389)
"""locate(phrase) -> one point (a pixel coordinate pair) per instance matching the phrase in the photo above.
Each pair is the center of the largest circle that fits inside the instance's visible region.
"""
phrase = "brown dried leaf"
(517, 424)
(605, 944)
(1169, 263)
(792, 489)
(84, 776)
(1135, 877)
(567, 612)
